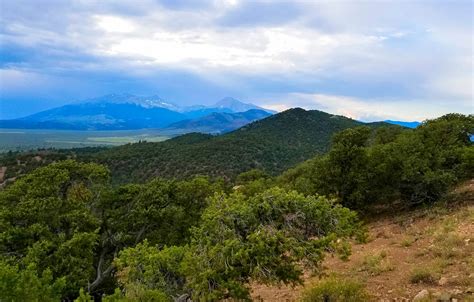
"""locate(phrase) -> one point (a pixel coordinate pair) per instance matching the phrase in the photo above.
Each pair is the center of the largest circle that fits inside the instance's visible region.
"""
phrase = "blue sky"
(371, 60)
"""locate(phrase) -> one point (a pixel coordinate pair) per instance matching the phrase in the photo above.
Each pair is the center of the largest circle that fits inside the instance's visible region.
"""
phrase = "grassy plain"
(26, 139)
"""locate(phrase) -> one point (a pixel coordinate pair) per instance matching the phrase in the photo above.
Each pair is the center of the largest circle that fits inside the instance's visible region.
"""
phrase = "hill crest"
(273, 144)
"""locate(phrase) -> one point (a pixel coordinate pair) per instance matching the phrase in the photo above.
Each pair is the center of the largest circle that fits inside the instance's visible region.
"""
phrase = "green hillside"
(272, 144)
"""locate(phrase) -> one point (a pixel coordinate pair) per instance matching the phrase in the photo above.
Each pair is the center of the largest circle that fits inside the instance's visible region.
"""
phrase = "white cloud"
(363, 109)
(115, 24)
(14, 79)
(230, 2)
(374, 58)
(266, 50)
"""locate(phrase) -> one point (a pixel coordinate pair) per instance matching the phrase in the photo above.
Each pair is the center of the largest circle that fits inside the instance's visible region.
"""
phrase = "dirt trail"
(2, 173)
(437, 241)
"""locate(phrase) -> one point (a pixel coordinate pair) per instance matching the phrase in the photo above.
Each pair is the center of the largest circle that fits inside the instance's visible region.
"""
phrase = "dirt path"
(2, 173)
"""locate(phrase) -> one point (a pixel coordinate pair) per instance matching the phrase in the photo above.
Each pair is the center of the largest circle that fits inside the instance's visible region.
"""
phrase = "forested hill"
(272, 144)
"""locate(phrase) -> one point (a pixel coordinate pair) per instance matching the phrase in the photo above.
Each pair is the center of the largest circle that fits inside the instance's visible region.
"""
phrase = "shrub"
(335, 290)
(407, 241)
(268, 238)
(377, 264)
(265, 238)
(18, 284)
(422, 275)
(448, 245)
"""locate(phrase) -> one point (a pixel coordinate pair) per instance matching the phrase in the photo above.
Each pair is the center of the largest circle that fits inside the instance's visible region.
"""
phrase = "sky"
(369, 60)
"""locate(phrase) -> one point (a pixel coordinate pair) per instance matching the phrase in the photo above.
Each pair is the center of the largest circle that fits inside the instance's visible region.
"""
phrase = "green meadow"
(28, 139)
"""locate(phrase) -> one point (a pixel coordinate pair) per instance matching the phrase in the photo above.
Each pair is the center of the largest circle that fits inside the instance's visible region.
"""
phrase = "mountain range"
(218, 122)
(127, 112)
(404, 124)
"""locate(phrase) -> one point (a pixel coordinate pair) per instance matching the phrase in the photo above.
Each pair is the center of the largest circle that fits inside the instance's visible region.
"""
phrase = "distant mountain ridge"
(238, 106)
(127, 98)
(227, 104)
(404, 124)
(219, 122)
(129, 112)
(97, 116)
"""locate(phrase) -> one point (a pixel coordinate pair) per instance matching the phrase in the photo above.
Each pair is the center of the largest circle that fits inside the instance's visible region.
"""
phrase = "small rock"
(454, 300)
(390, 291)
(456, 292)
(183, 298)
(443, 281)
(423, 295)
(444, 297)
(441, 296)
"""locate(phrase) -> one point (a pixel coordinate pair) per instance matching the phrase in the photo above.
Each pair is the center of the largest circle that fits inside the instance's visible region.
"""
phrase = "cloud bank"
(370, 60)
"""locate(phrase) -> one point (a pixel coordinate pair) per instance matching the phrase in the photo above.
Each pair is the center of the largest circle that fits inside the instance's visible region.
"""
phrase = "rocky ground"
(421, 255)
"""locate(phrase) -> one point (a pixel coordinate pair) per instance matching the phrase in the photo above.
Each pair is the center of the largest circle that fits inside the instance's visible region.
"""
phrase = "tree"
(26, 285)
(150, 274)
(268, 237)
(346, 167)
(160, 211)
(252, 182)
(47, 224)
(433, 157)
(66, 219)
(416, 166)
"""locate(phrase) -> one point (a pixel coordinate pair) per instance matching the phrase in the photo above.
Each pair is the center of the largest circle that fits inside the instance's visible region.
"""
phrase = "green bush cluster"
(65, 228)
(363, 168)
(336, 290)
(424, 275)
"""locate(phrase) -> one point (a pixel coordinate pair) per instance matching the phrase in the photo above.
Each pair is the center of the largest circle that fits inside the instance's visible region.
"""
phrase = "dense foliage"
(63, 226)
(273, 145)
(415, 166)
(68, 233)
(64, 221)
(268, 238)
(20, 163)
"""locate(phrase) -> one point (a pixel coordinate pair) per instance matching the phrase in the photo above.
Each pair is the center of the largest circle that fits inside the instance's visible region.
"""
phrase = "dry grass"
(376, 264)
(336, 290)
(408, 241)
(424, 275)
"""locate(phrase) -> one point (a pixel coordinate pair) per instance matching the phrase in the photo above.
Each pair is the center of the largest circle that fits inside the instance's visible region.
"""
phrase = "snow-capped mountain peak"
(126, 98)
(235, 105)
